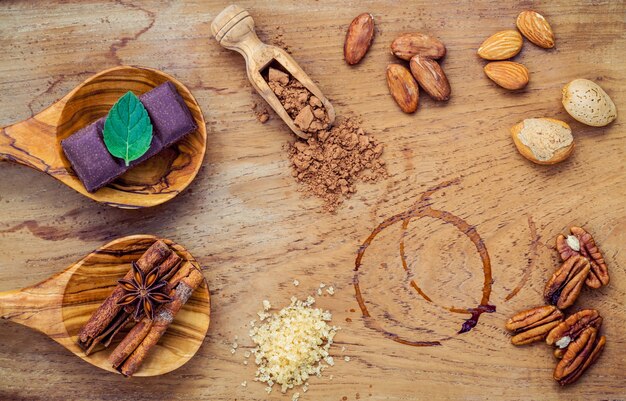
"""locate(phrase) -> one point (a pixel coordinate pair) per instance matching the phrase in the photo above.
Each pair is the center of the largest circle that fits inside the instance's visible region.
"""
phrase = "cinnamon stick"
(121, 320)
(136, 335)
(130, 343)
(159, 325)
(99, 325)
(167, 269)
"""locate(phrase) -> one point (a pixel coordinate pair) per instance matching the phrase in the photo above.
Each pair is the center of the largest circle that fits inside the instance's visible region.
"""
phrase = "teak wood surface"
(253, 232)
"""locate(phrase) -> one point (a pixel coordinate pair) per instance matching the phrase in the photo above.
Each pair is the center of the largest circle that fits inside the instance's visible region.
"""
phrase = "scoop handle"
(233, 28)
(32, 142)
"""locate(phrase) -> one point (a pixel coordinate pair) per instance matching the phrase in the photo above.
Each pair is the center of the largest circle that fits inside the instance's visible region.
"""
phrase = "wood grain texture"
(61, 305)
(36, 142)
(245, 220)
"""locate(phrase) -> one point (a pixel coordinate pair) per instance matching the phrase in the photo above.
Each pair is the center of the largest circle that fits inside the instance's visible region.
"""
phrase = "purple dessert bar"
(96, 167)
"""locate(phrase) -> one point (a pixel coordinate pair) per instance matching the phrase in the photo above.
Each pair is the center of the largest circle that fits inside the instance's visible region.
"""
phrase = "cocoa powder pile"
(331, 161)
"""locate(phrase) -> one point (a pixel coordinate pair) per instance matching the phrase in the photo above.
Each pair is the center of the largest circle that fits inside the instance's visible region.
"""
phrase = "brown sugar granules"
(306, 110)
(331, 161)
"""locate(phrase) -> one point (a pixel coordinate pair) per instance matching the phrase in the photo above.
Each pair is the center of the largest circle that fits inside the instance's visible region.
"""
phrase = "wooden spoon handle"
(38, 307)
(20, 305)
(11, 151)
(32, 142)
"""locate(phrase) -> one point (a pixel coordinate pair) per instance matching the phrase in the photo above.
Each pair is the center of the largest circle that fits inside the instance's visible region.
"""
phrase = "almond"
(507, 74)
(359, 38)
(402, 87)
(535, 28)
(501, 45)
(430, 77)
(588, 103)
(543, 140)
(410, 44)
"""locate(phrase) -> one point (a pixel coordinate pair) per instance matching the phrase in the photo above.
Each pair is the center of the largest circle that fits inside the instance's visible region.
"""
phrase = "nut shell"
(535, 28)
(588, 103)
(539, 129)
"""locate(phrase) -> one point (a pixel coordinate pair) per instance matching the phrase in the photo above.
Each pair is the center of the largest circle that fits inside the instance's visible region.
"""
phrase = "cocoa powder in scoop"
(306, 110)
(331, 161)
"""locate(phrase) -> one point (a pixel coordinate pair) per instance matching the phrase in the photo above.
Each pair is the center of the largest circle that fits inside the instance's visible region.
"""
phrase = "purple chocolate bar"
(96, 167)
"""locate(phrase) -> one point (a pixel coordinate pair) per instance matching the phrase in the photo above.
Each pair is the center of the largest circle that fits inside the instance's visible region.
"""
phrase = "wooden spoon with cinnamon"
(62, 304)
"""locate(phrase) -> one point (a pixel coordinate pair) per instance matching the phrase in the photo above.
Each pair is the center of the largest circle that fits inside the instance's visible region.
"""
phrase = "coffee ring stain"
(423, 209)
(535, 241)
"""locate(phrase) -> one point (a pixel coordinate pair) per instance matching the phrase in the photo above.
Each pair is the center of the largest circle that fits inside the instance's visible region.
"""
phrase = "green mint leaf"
(127, 129)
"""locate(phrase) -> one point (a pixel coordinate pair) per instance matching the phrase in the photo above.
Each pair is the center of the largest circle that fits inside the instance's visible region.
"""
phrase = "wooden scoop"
(36, 142)
(62, 304)
(233, 28)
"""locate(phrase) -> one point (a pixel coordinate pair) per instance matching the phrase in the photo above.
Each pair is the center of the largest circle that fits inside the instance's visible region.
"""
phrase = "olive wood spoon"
(36, 142)
(233, 28)
(62, 304)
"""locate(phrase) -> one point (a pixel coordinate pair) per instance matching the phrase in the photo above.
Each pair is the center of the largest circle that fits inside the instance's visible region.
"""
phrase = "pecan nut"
(571, 328)
(559, 352)
(580, 354)
(582, 243)
(565, 284)
(533, 324)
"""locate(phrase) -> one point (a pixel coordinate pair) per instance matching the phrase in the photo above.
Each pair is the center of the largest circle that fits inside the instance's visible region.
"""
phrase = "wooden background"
(250, 228)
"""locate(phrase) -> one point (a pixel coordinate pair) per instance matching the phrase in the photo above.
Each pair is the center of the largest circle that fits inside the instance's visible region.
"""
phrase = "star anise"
(145, 291)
